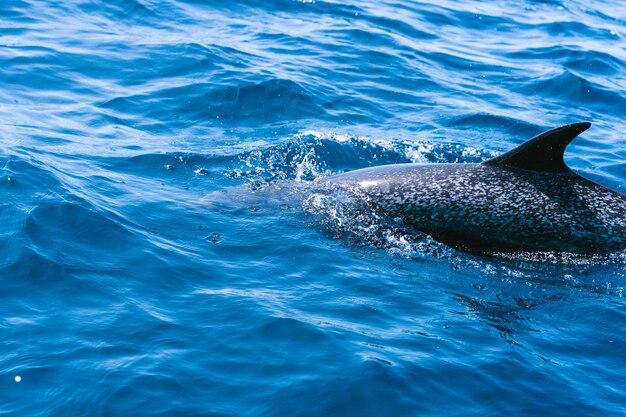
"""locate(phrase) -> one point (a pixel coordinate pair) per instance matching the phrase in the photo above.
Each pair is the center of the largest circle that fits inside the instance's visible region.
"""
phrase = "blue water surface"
(164, 253)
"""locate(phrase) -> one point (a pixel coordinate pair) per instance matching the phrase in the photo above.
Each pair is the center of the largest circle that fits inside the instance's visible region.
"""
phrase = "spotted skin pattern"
(489, 208)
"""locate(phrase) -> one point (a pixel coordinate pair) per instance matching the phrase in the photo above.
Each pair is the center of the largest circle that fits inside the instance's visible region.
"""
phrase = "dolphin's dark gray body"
(524, 200)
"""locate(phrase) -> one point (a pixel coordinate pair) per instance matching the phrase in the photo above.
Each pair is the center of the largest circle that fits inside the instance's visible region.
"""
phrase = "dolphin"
(525, 200)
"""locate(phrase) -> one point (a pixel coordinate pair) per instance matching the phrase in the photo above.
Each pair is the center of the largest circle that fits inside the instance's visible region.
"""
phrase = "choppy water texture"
(164, 251)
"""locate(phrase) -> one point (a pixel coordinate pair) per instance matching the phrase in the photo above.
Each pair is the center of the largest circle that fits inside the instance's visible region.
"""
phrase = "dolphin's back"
(526, 199)
(484, 207)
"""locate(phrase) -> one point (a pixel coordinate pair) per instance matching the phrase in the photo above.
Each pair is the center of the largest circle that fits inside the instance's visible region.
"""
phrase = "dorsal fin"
(544, 152)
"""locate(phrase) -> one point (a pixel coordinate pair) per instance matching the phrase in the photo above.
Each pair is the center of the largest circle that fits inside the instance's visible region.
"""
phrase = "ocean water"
(164, 251)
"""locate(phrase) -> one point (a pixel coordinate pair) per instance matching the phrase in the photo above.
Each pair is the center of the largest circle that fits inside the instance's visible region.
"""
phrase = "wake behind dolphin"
(524, 200)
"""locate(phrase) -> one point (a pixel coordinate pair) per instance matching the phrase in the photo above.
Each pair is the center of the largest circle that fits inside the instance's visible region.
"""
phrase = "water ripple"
(166, 249)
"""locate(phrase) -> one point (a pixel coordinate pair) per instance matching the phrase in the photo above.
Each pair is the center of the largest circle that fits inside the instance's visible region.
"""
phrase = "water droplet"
(214, 238)
(201, 171)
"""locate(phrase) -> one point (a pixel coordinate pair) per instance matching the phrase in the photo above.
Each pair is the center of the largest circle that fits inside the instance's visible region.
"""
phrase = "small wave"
(268, 101)
(572, 29)
(171, 164)
(265, 102)
(575, 89)
(82, 236)
(587, 61)
(134, 10)
(313, 154)
(26, 177)
(491, 121)
(34, 266)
